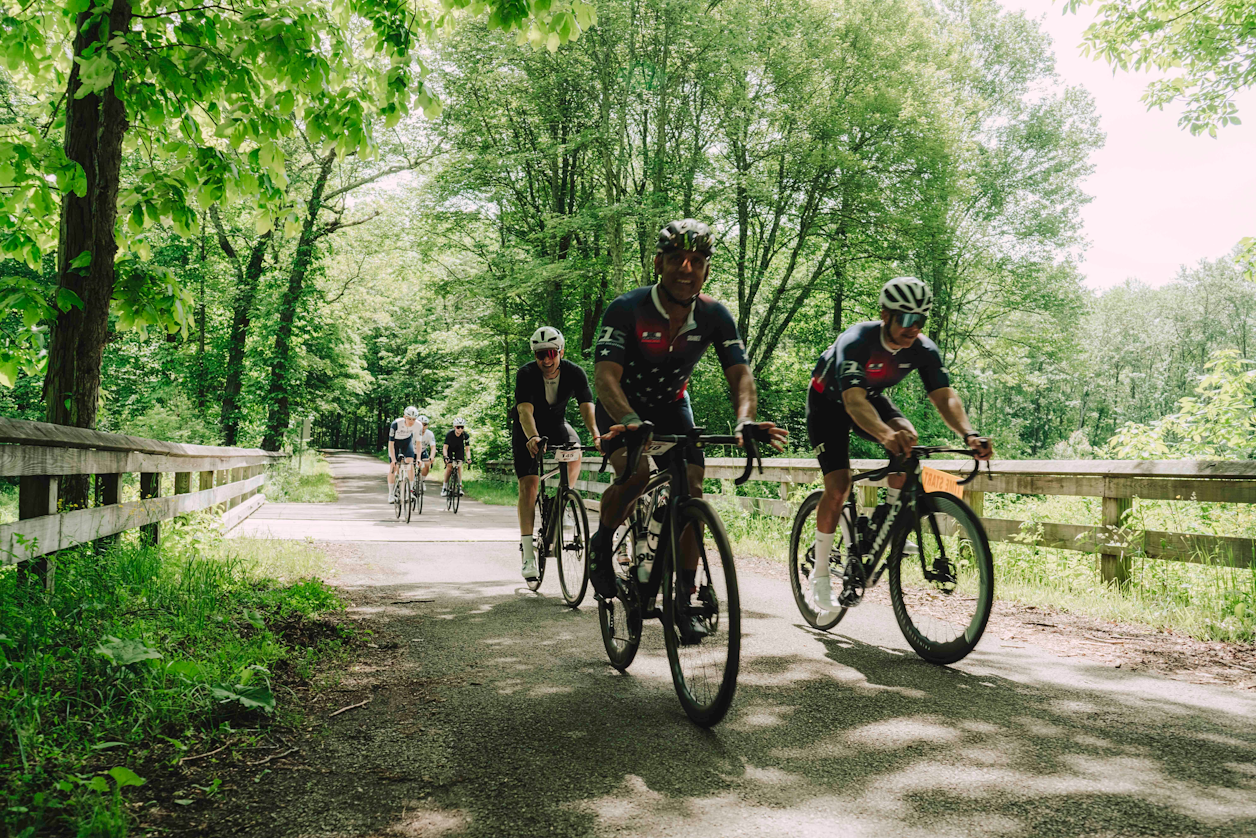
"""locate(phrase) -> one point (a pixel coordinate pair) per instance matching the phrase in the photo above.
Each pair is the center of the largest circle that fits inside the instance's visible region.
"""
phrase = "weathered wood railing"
(40, 455)
(1117, 482)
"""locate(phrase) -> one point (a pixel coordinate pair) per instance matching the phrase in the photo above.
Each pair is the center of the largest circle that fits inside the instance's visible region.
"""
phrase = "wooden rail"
(41, 455)
(1117, 482)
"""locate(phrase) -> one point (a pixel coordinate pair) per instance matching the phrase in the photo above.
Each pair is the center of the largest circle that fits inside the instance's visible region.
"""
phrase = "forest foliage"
(288, 248)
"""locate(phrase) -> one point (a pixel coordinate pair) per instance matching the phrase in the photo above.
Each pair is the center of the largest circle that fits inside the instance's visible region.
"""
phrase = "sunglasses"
(546, 354)
(909, 320)
(457, 427)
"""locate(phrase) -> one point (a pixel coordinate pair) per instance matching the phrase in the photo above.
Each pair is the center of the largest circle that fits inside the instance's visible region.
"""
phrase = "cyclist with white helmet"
(401, 436)
(427, 447)
(847, 394)
(457, 449)
(543, 387)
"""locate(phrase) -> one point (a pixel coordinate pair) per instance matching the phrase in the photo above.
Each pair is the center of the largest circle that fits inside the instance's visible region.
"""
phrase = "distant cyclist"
(847, 394)
(401, 437)
(457, 448)
(542, 389)
(427, 447)
(651, 340)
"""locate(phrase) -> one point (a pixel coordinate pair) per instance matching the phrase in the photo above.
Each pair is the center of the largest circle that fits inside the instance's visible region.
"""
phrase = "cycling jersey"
(457, 444)
(860, 358)
(549, 411)
(403, 437)
(635, 333)
(427, 443)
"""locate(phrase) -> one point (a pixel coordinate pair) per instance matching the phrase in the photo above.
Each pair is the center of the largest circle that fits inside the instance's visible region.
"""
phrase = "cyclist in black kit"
(542, 389)
(651, 340)
(847, 394)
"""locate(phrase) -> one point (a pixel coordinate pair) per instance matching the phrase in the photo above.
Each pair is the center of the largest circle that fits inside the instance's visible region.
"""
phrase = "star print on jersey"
(859, 358)
(635, 334)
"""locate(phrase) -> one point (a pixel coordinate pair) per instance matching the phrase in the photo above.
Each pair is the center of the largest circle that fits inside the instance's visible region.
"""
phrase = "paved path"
(493, 712)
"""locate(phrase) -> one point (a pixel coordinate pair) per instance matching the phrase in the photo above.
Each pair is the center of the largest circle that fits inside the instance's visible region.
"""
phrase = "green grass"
(488, 490)
(8, 499)
(313, 484)
(142, 655)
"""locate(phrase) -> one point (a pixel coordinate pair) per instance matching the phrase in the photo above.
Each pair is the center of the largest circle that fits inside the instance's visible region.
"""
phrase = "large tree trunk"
(94, 128)
(280, 395)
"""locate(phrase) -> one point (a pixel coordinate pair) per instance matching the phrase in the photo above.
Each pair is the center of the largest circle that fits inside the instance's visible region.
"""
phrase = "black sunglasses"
(908, 319)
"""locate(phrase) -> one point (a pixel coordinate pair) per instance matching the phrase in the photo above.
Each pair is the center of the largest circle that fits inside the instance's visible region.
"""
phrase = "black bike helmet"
(686, 234)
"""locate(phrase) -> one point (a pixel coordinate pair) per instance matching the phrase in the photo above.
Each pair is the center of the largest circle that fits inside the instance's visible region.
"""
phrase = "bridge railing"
(1116, 482)
(42, 455)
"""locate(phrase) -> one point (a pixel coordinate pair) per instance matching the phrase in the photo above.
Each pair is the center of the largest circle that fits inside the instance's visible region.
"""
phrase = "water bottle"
(646, 562)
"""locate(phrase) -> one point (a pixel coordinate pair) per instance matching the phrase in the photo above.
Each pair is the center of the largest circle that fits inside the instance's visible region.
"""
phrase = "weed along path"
(480, 708)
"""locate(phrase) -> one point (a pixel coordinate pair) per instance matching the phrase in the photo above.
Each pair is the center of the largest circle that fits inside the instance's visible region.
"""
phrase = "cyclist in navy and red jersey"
(847, 394)
(651, 340)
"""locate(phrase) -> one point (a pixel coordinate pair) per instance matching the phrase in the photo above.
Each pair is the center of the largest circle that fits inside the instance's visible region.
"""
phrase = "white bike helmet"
(547, 337)
(908, 295)
(412, 412)
(458, 423)
(424, 420)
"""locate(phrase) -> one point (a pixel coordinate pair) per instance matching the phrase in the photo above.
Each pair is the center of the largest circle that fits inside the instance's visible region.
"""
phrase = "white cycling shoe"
(822, 594)
(910, 549)
(529, 568)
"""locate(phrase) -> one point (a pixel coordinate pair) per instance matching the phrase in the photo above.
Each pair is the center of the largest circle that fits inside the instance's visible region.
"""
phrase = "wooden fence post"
(108, 493)
(784, 490)
(150, 487)
(1114, 559)
(976, 502)
(36, 497)
(867, 499)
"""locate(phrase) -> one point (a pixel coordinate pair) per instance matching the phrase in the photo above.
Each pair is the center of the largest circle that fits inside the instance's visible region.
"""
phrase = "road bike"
(454, 495)
(702, 625)
(404, 499)
(941, 573)
(418, 489)
(561, 525)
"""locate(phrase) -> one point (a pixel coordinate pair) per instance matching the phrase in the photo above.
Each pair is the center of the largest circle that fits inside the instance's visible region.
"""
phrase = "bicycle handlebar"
(636, 442)
(918, 452)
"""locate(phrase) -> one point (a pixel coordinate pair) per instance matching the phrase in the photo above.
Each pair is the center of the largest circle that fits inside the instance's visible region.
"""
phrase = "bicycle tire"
(621, 621)
(457, 492)
(538, 542)
(417, 497)
(800, 566)
(397, 499)
(573, 549)
(971, 548)
(704, 702)
(405, 497)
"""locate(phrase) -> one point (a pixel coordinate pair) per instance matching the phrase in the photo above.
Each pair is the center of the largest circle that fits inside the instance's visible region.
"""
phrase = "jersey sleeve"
(521, 388)
(582, 390)
(617, 326)
(933, 374)
(850, 365)
(729, 346)
(392, 430)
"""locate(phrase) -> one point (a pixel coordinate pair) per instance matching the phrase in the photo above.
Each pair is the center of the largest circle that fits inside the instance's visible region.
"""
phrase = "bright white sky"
(1162, 198)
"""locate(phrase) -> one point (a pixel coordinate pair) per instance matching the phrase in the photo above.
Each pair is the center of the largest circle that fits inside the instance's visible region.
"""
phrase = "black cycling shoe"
(601, 573)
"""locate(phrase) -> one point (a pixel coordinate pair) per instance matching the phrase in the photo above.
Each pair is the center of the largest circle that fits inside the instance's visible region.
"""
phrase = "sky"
(1162, 197)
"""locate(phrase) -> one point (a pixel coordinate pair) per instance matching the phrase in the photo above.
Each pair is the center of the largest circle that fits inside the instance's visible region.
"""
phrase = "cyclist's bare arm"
(392, 454)
(527, 421)
(951, 409)
(896, 440)
(745, 396)
(607, 375)
(589, 415)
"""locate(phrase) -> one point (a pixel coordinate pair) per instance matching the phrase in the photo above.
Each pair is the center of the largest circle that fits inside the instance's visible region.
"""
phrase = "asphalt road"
(493, 712)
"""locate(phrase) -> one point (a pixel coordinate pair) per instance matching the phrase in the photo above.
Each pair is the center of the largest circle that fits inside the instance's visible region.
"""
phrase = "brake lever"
(644, 434)
(751, 437)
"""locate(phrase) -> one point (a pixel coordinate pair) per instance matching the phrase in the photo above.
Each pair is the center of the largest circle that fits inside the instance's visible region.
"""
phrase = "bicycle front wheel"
(942, 579)
(417, 495)
(457, 490)
(538, 541)
(702, 626)
(573, 548)
(397, 500)
(802, 560)
(621, 620)
(406, 498)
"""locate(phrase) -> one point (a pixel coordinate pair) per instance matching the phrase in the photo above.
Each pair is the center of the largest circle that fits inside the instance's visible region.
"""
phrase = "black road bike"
(701, 626)
(454, 496)
(561, 525)
(405, 490)
(417, 490)
(934, 546)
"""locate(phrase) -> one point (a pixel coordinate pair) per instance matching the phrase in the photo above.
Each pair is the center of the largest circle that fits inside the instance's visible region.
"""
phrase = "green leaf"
(186, 669)
(67, 299)
(8, 372)
(126, 652)
(254, 698)
(104, 746)
(83, 260)
(125, 777)
(254, 618)
(98, 783)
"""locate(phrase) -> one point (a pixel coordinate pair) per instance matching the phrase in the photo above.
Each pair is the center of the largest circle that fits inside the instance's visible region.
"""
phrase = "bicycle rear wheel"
(704, 664)
(621, 621)
(406, 499)
(802, 559)
(538, 541)
(573, 548)
(417, 494)
(942, 597)
(456, 492)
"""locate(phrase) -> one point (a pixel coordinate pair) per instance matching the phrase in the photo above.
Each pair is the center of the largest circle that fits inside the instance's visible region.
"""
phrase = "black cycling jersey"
(635, 333)
(859, 358)
(457, 444)
(530, 389)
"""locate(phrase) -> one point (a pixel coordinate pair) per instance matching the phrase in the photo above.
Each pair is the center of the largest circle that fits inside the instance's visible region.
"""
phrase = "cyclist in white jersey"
(427, 447)
(402, 434)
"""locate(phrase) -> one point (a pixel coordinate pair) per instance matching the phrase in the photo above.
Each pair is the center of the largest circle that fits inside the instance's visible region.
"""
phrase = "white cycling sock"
(824, 546)
(528, 551)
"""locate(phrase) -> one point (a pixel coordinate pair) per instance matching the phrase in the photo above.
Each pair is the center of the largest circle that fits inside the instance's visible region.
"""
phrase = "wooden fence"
(40, 455)
(1117, 482)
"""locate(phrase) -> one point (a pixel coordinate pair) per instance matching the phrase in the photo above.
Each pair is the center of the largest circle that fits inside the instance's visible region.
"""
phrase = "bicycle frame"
(551, 523)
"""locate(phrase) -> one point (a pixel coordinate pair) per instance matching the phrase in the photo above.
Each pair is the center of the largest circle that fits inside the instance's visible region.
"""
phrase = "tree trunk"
(280, 395)
(94, 128)
(247, 278)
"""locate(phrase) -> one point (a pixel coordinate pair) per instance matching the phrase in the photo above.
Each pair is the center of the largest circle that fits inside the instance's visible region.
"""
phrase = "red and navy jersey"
(635, 332)
(859, 358)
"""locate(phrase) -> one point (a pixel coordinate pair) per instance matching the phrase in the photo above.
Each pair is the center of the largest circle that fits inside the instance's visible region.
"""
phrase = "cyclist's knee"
(695, 474)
